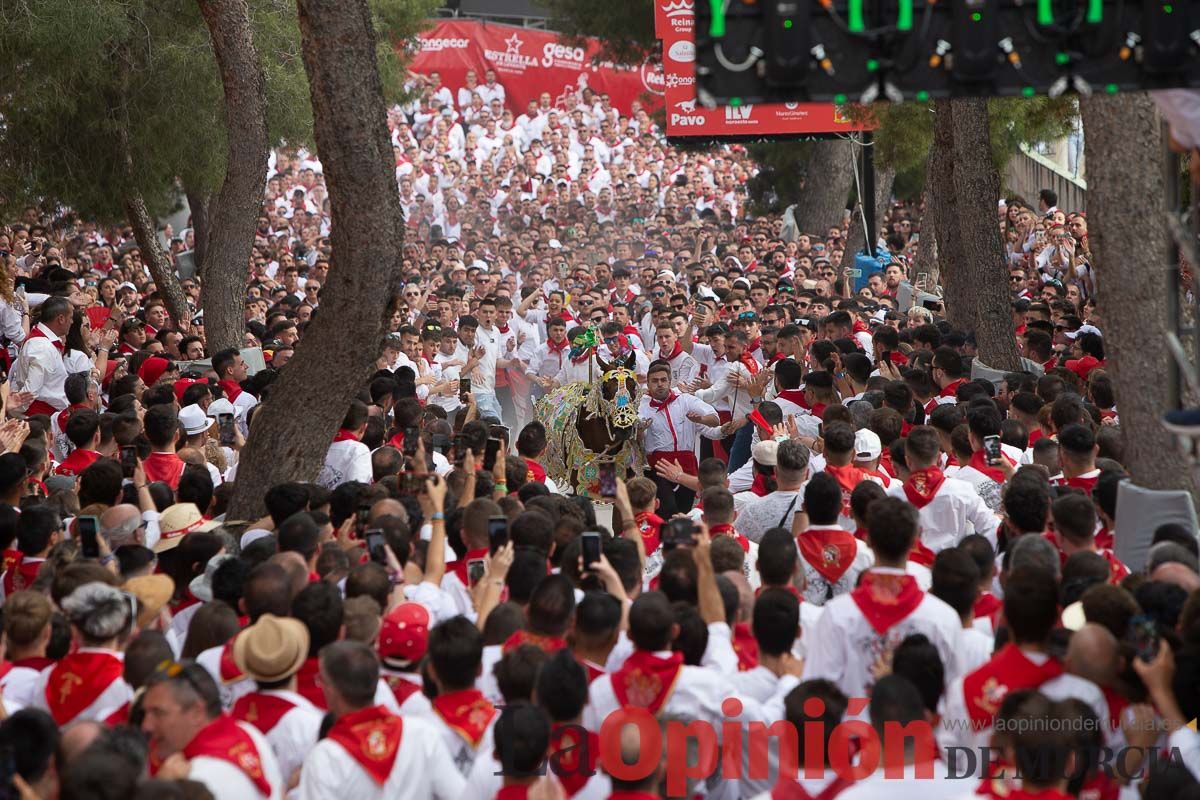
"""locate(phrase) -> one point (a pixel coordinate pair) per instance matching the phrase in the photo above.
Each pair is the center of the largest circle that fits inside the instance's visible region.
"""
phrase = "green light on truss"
(976, 17)
(839, 99)
(872, 65)
(1095, 12)
(855, 20)
(1028, 91)
(904, 18)
(735, 101)
(1045, 12)
(922, 96)
(787, 24)
(716, 27)
(1111, 88)
(1168, 8)
(1061, 58)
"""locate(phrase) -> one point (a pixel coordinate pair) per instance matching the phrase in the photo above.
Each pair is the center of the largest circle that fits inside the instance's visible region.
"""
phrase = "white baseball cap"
(766, 453)
(221, 406)
(867, 446)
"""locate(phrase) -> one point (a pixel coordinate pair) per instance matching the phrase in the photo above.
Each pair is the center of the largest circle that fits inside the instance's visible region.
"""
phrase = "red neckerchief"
(468, 713)
(847, 477)
(557, 347)
(65, 415)
(307, 685)
(37, 333)
(119, 717)
(263, 711)
(513, 791)
(775, 357)
(77, 462)
(344, 435)
(661, 404)
(372, 738)
(792, 790)
(759, 487)
(951, 389)
(36, 663)
(1117, 571)
(534, 472)
(885, 462)
(818, 410)
(402, 688)
(646, 680)
(22, 576)
(885, 599)
(593, 671)
(232, 390)
(1104, 539)
(979, 463)
(547, 644)
(1034, 435)
(727, 530)
(502, 329)
(230, 672)
(749, 362)
(922, 485)
(459, 566)
(583, 356)
(746, 646)
(223, 738)
(1117, 703)
(755, 344)
(678, 349)
(921, 554)
(650, 525)
(77, 680)
(396, 441)
(1008, 671)
(1088, 485)
(566, 757)
(794, 396)
(987, 606)
(164, 467)
(829, 551)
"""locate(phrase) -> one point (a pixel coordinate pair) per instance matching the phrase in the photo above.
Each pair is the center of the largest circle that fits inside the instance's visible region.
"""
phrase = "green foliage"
(782, 166)
(78, 75)
(905, 133)
(624, 27)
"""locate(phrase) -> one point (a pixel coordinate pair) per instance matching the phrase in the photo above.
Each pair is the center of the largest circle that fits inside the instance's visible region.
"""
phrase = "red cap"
(152, 369)
(182, 385)
(404, 635)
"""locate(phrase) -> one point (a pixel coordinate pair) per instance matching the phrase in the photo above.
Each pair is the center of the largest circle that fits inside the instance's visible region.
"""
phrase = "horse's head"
(619, 386)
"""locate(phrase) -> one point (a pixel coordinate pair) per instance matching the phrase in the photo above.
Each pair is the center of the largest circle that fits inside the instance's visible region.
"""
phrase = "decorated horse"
(593, 423)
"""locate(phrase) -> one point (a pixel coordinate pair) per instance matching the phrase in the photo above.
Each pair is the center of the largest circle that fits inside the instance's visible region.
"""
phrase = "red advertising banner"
(529, 62)
(674, 23)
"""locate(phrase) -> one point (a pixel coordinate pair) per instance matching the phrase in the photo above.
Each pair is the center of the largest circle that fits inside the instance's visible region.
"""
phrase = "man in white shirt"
(950, 509)
(684, 368)
(40, 369)
(348, 458)
(270, 652)
(89, 683)
(832, 557)
(370, 752)
(859, 627)
(671, 425)
(777, 509)
(197, 741)
(483, 344)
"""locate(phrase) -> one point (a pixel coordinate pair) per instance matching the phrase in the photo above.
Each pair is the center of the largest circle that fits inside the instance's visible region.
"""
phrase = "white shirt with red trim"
(843, 646)
(670, 429)
(697, 695)
(817, 589)
(953, 513)
(226, 782)
(116, 695)
(296, 732)
(346, 461)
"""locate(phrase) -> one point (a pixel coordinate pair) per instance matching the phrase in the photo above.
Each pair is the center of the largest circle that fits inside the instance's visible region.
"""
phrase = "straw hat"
(152, 593)
(176, 522)
(272, 649)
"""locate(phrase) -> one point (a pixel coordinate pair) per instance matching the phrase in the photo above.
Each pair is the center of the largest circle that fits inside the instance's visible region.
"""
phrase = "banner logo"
(738, 113)
(682, 51)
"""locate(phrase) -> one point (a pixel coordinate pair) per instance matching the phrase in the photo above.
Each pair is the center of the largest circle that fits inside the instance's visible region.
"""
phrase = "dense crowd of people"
(838, 528)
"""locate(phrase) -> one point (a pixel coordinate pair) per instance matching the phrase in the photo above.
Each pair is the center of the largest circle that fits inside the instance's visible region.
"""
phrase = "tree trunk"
(827, 182)
(976, 193)
(939, 172)
(885, 178)
(1123, 145)
(198, 205)
(338, 352)
(165, 279)
(232, 216)
(927, 249)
